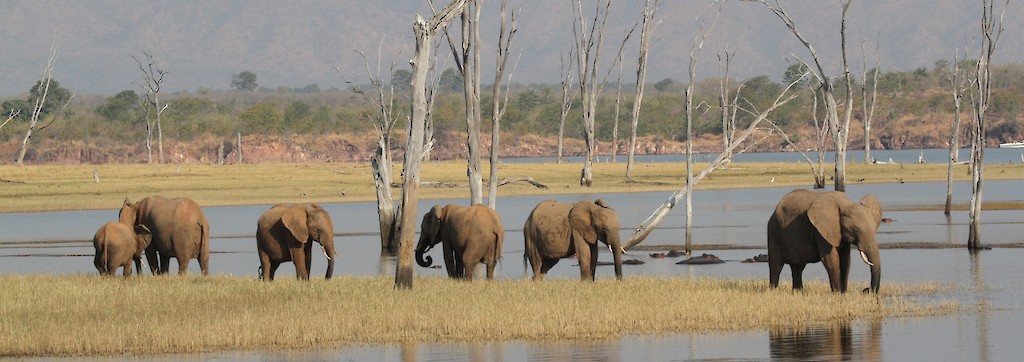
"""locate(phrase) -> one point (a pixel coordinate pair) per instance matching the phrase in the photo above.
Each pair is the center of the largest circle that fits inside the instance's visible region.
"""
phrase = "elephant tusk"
(610, 248)
(325, 252)
(865, 258)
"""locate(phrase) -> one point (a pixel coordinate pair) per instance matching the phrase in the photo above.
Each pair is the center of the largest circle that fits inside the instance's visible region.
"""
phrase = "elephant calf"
(808, 227)
(117, 245)
(287, 232)
(556, 230)
(469, 235)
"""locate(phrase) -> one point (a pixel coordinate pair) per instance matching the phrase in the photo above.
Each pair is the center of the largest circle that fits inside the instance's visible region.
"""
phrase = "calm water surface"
(989, 283)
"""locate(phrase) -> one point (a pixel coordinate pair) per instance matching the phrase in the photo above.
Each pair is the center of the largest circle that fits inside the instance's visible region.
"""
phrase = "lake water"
(988, 283)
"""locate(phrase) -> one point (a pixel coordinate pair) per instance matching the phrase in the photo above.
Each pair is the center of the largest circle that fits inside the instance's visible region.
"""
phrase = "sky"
(201, 44)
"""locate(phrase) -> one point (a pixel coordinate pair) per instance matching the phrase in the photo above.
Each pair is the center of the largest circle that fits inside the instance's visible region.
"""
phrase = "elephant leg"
(491, 263)
(127, 268)
(774, 270)
(273, 269)
(546, 264)
(309, 259)
(298, 258)
(462, 269)
(154, 265)
(832, 267)
(165, 264)
(204, 261)
(470, 267)
(183, 264)
(138, 264)
(798, 275)
(844, 266)
(593, 261)
(584, 257)
(451, 264)
(264, 266)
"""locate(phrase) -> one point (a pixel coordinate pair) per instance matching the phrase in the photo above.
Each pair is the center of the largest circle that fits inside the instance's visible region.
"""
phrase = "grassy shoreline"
(73, 187)
(110, 316)
(113, 316)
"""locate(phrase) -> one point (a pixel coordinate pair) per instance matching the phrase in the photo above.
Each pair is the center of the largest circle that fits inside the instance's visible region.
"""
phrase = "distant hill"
(293, 44)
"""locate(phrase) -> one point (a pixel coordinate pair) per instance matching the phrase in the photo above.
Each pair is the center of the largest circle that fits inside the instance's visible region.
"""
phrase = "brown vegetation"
(115, 316)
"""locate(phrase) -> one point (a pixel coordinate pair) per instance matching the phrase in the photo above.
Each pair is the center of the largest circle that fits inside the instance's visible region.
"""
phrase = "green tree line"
(903, 96)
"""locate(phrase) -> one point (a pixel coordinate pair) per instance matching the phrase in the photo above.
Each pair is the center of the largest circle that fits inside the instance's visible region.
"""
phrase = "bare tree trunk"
(991, 29)
(471, 85)
(839, 131)
(618, 102)
(568, 94)
(646, 32)
(498, 108)
(238, 148)
(153, 77)
(724, 104)
(868, 102)
(424, 31)
(956, 81)
(44, 80)
(692, 72)
(588, 50)
(384, 120)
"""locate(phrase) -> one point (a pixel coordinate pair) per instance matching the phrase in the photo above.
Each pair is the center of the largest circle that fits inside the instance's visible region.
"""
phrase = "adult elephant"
(178, 229)
(808, 227)
(117, 245)
(468, 235)
(287, 232)
(556, 230)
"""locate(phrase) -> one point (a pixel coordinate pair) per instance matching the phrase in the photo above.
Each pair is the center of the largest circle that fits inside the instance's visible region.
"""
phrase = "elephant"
(468, 235)
(556, 230)
(285, 233)
(117, 245)
(808, 227)
(178, 229)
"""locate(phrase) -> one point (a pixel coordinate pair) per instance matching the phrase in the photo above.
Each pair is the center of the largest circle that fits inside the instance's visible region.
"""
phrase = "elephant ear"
(824, 215)
(582, 222)
(142, 238)
(294, 219)
(869, 201)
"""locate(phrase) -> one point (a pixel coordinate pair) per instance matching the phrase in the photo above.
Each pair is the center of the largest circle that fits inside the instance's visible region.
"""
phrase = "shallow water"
(988, 283)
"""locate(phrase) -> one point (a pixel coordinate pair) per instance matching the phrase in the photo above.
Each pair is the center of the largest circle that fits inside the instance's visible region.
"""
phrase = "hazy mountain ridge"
(202, 43)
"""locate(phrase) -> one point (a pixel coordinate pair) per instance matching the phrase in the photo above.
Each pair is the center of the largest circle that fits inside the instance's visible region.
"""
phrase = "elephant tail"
(102, 253)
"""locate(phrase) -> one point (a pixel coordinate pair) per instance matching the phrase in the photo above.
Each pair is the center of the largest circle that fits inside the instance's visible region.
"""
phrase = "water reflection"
(827, 343)
(983, 305)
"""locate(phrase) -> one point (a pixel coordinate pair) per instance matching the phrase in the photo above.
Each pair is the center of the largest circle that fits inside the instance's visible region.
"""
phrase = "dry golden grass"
(73, 187)
(46, 315)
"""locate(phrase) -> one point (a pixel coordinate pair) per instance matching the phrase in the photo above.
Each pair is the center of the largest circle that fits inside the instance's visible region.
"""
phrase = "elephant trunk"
(872, 259)
(617, 251)
(330, 254)
(422, 247)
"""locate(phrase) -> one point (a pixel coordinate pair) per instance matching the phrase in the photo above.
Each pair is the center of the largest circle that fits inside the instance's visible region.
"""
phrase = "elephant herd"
(806, 227)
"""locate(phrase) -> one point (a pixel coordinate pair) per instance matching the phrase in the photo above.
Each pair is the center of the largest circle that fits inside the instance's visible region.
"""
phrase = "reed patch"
(79, 315)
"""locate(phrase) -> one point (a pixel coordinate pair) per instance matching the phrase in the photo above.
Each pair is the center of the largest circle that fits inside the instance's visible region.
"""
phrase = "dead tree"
(384, 118)
(568, 94)
(867, 103)
(727, 104)
(498, 106)
(14, 113)
(698, 45)
(424, 31)
(646, 32)
(589, 39)
(152, 79)
(958, 84)
(467, 61)
(839, 129)
(43, 89)
(648, 225)
(991, 29)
